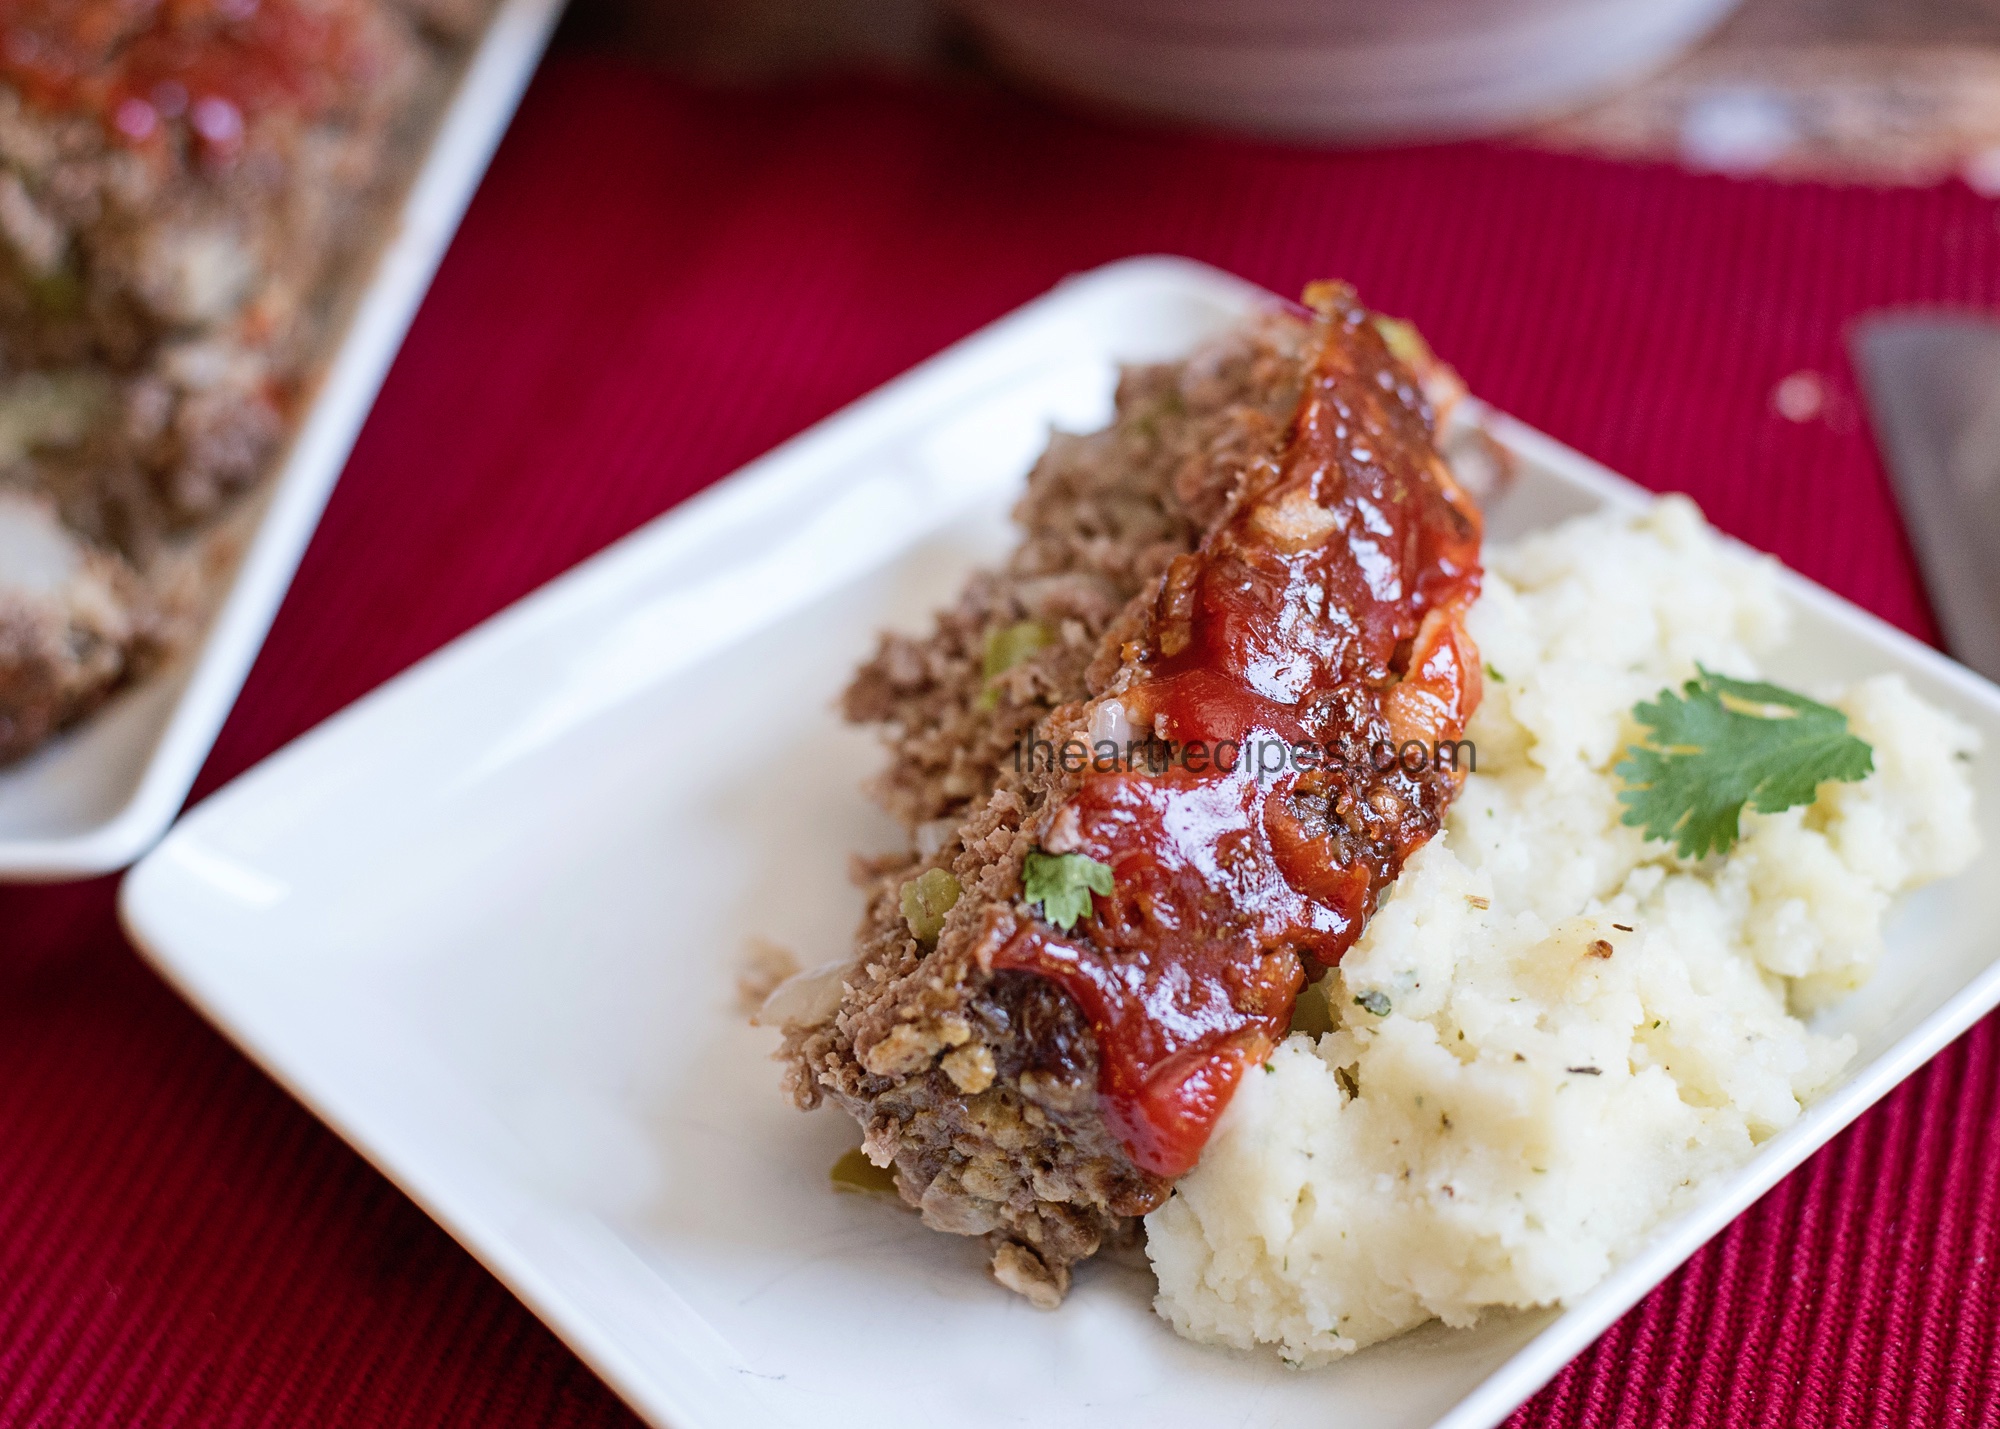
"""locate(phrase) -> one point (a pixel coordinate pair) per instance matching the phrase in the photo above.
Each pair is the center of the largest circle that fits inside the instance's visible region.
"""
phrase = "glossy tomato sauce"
(1326, 614)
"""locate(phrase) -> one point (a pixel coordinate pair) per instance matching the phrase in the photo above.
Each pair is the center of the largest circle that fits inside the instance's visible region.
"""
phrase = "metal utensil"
(1932, 381)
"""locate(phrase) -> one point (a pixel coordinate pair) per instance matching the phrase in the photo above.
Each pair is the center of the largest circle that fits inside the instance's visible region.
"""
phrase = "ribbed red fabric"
(656, 284)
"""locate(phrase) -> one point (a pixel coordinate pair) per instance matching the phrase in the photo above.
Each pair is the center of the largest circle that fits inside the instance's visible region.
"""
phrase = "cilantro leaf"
(1062, 883)
(1719, 744)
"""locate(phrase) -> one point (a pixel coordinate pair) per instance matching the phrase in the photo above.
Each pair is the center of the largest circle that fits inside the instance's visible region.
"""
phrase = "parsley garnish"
(1720, 744)
(1062, 883)
(1374, 1002)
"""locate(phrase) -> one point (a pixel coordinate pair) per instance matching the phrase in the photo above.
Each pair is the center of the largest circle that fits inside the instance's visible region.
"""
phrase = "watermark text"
(1259, 755)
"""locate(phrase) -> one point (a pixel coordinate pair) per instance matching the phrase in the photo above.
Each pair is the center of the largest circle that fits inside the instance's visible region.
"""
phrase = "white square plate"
(96, 797)
(486, 923)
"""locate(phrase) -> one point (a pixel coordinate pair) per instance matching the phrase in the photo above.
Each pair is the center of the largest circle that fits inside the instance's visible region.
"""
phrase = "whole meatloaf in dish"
(184, 186)
(1157, 771)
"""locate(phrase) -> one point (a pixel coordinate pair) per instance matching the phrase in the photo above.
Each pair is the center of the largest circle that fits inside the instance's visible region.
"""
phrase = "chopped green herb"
(1719, 744)
(926, 899)
(1374, 1002)
(1062, 883)
(1494, 675)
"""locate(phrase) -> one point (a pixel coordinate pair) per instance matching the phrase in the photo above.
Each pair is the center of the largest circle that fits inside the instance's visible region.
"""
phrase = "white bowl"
(1354, 69)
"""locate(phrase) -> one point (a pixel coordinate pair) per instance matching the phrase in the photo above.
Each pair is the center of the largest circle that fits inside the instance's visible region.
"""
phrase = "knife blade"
(1932, 385)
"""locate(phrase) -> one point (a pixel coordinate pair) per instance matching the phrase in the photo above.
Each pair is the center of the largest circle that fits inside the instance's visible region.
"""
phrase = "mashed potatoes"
(1576, 1026)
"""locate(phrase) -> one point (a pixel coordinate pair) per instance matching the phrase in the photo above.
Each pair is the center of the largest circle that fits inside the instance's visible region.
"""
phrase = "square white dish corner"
(487, 923)
(99, 795)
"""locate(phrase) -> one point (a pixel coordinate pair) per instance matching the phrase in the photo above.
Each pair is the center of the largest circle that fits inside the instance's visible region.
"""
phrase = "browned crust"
(981, 1089)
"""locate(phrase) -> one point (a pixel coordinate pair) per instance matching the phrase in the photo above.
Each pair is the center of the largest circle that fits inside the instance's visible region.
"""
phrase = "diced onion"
(934, 835)
(1110, 723)
(805, 999)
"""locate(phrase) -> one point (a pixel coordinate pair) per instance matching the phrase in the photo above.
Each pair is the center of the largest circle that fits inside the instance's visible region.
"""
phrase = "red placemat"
(655, 285)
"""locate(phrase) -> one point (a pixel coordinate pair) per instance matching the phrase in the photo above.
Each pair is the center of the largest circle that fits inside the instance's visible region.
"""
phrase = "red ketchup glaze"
(1325, 613)
(136, 65)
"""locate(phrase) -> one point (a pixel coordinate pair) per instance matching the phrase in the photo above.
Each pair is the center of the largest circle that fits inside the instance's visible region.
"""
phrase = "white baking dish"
(98, 796)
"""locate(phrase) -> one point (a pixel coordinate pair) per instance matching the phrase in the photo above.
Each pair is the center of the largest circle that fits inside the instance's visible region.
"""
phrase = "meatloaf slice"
(981, 1086)
(1001, 1136)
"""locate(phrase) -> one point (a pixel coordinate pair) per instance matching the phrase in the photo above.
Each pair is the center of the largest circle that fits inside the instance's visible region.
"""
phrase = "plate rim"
(1572, 1328)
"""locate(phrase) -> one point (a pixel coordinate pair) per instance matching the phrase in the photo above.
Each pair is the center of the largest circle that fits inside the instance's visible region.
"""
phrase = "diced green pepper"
(856, 1173)
(926, 899)
(1311, 1014)
(1006, 647)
